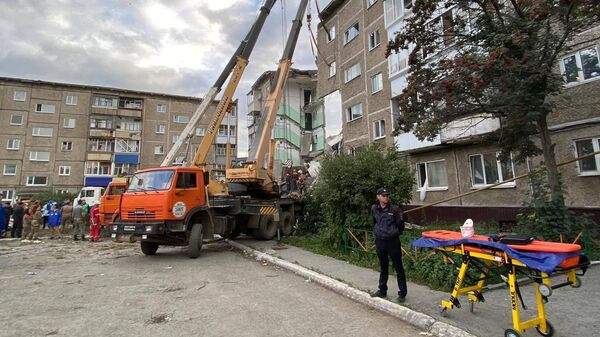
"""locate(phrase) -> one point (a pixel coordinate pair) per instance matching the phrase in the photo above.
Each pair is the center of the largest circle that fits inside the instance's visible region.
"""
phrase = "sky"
(169, 46)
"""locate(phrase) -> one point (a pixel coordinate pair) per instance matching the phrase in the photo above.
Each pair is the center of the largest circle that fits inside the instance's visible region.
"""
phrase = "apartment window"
(7, 194)
(351, 33)
(97, 168)
(16, 119)
(161, 108)
(374, 40)
(42, 132)
(331, 35)
(96, 123)
(376, 83)
(487, 169)
(131, 126)
(45, 108)
(105, 102)
(232, 150)
(71, 100)
(127, 145)
(222, 130)
(396, 8)
(69, 123)
(589, 165)
(37, 181)
(10, 169)
(232, 130)
(332, 69)
(200, 132)
(66, 146)
(379, 129)
(39, 156)
(581, 66)
(101, 145)
(352, 73)
(432, 175)
(354, 112)
(371, 2)
(175, 138)
(221, 150)
(131, 103)
(161, 128)
(121, 169)
(398, 61)
(13, 144)
(20, 96)
(159, 149)
(181, 119)
(64, 170)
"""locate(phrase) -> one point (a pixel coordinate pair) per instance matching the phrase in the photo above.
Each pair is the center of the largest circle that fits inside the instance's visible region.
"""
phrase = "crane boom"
(249, 40)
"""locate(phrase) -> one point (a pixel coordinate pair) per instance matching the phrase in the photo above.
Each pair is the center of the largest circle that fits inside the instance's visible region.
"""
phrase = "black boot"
(75, 238)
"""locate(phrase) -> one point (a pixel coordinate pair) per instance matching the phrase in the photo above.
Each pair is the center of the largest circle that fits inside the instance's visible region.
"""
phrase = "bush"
(44, 197)
(346, 188)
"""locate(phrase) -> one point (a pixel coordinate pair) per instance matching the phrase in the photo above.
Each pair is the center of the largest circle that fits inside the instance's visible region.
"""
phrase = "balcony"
(95, 110)
(99, 156)
(135, 135)
(101, 133)
(129, 113)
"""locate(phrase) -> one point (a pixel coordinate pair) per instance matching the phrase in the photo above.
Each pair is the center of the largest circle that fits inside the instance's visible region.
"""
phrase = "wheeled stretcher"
(537, 259)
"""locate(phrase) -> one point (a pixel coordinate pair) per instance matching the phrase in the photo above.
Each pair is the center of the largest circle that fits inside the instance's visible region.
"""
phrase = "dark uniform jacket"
(387, 222)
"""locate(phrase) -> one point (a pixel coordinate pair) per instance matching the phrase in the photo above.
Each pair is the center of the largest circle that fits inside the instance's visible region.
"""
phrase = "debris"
(31, 273)
(271, 275)
(168, 267)
(171, 289)
(160, 318)
(52, 333)
(202, 286)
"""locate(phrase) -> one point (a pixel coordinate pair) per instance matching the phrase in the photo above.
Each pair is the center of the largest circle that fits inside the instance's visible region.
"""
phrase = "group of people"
(30, 217)
(295, 181)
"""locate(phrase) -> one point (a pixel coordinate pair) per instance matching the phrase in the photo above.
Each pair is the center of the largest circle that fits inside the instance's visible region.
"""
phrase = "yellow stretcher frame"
(493, 257)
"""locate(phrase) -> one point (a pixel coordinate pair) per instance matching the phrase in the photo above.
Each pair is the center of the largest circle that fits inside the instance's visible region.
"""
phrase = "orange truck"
(110, 201)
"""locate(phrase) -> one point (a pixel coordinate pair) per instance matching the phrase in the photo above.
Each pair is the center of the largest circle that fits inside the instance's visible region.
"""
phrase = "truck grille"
(142, 214)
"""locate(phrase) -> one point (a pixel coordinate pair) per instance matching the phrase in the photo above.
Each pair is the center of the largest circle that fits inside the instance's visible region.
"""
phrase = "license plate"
(129, 228)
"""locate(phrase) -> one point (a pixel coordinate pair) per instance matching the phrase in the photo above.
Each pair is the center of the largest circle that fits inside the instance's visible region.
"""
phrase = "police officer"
(387, 227)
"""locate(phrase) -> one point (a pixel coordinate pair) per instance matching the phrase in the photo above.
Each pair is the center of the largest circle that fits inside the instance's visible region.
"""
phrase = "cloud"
(171, 46)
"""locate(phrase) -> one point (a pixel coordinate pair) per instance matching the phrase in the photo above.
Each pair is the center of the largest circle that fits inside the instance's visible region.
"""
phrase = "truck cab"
(110, 201)
(90, 194)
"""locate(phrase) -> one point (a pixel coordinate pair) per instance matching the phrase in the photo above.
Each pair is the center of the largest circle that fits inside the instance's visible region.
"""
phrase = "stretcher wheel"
(443, 311)
(511, 333)
(545, 290)
(549, 330)
(577, 283)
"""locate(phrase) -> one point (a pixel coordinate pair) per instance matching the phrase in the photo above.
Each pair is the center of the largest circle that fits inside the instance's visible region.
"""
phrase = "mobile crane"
(174, 206)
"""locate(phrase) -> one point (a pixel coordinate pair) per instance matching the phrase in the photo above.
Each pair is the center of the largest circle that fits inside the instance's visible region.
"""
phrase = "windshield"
(154, 180)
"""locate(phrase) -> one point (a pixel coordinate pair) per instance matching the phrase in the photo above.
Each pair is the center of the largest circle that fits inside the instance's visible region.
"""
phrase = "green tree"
(490, 58)
(347, 185)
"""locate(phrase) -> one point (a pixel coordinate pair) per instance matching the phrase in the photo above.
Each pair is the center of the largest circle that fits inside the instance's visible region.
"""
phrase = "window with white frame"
(232, 150)
(580, 66)
(101, 145)
(179, 160)
(96, 123)
(432, 175)
(222, 130)
(331, 35)
(71, 100)
(160, 128)
(371, 2)
(69, 123)
(45, 108)
(37, 181)
(64, 170)
(66, 146)
(354, 112)
(200, 132)
(121, 168)
(181, 119)
(221, 150)
(396, 8)
(379, 129)
(589, 165)
(161, 108)
(374, 39)
(127, 145)
(10, 169)
(97, 168)
(232, 130)
(175, 138)
(131, 103)
(488, 169)
(13, 144)
(351, 33)
(398, 61)
(105, 102)
(7, 194)
(130, 126)
(16, 119)
(20, 95)
(159, 149)
(332, 69)
(376, 83)
(42, 132)
(352, 72)
(39, 156)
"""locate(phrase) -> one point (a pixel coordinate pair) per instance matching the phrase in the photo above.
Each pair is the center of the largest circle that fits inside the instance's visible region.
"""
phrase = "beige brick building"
(60, 137)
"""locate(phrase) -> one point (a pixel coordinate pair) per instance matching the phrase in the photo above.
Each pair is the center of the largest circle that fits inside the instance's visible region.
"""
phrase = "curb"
(417, 319)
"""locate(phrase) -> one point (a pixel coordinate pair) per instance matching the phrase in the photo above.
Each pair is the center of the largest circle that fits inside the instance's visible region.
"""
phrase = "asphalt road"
(62, 288)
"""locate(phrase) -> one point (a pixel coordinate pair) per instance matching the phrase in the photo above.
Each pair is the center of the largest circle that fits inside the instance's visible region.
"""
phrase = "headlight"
(148, 228)
(114, 228)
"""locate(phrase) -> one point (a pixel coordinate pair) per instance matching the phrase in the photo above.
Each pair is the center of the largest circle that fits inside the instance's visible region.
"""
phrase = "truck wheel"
(267, 228)
(287, 223)
(149, 248)
(195, 243)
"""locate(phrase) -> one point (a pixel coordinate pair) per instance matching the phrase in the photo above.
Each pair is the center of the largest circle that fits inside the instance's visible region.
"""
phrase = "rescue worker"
(18, 214)
(66, 217)
(54, 222)
(387, 227)
(3, 220)
(78, 221)
(26, 225)
(36, 220)
(86, 213)
(94, 223)
(301, 182)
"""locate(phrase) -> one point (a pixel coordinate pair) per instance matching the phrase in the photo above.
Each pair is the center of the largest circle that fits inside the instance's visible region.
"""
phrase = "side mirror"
(206, 178)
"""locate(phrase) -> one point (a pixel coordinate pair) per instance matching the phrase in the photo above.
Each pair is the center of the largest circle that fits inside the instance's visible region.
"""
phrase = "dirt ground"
(66, 288)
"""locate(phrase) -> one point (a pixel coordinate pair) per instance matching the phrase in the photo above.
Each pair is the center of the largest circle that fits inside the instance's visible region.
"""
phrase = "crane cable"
(313, 40)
